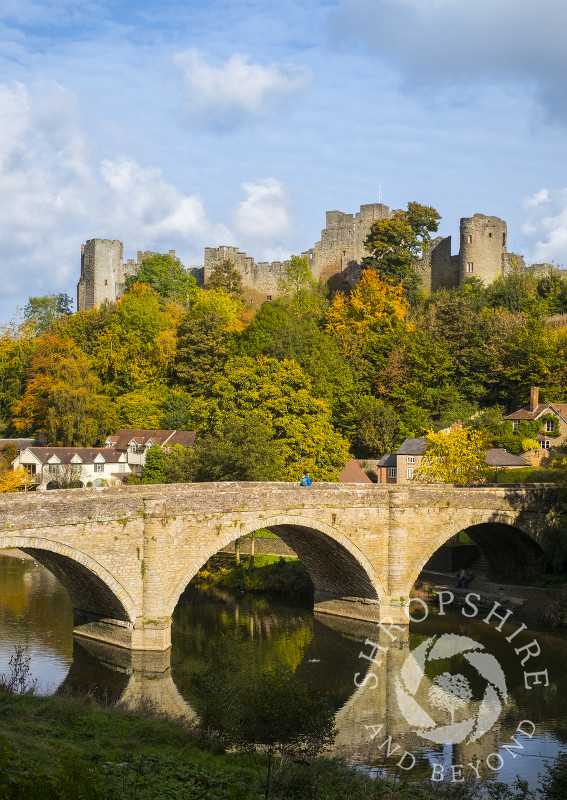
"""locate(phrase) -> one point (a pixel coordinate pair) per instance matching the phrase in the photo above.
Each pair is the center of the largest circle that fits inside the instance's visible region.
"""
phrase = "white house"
(73, 467)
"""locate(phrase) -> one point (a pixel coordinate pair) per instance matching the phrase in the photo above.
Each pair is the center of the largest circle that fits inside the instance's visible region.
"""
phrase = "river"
(330, 656)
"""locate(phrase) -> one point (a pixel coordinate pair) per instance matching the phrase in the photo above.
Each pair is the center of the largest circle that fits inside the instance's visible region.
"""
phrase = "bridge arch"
(495, 534)
(336, 566)
(92, 588)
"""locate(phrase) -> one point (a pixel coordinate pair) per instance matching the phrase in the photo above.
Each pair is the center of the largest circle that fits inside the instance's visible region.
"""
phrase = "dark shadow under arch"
(89, 593)
(511, 554)
(333, 569)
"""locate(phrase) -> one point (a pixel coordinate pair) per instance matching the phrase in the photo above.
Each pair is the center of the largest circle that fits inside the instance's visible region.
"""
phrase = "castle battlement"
(335, 258)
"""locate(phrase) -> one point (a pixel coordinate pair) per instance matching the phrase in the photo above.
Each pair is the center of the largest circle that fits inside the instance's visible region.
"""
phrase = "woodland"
(299, 383)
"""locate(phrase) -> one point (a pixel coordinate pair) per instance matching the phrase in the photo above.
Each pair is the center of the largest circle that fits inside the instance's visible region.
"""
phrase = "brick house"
(551, 416)
(135, 443)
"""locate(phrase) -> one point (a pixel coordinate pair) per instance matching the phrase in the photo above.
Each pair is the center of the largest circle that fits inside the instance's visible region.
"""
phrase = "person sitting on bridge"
(306, 480)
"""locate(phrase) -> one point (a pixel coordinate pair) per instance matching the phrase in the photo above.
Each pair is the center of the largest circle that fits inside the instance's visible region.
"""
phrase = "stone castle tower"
(336, 258)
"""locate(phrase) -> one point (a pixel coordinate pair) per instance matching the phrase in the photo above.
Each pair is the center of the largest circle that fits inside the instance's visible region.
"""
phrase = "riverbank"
(266, 573)
(62, 747)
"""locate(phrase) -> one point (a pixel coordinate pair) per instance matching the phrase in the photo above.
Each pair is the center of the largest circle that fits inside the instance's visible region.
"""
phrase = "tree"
(280, 393)
(226, 276)
(395, 244)
(64, 397)
(376, 306)
(16, 350)
(14, 480)
(142, 408)
(297, 276)
(42, 312)
(454, 456)
(166, 275)
(241, 449)
(154, 468)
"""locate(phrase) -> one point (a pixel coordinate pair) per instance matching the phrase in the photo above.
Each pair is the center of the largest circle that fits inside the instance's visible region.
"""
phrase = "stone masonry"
(336, 258)
(126, 554)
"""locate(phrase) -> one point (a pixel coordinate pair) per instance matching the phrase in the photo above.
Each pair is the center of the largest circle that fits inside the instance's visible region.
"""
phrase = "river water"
(379, 706)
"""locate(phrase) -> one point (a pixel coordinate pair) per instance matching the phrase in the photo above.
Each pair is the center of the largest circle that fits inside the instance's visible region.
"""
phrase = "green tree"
(154, 468)
(166, 275)
(204, 345)
(142, 408)
(42, 312)
(395, 243)
(454, 456)
(281, 394)
(226, 276)
(241, 449)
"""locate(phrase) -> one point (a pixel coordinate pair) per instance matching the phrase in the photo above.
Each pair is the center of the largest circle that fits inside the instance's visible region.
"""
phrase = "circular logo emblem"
(450, 693)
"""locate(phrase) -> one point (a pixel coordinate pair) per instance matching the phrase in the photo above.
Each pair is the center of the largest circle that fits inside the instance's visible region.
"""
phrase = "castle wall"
(101, 271)
(483, 248)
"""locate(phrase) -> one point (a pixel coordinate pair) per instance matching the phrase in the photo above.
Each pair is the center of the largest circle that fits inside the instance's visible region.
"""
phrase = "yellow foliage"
(454, 456)
(15, 480)
(372, 306)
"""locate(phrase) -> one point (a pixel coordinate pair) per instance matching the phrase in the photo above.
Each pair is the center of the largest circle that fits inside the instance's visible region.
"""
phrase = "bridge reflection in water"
(328, 661)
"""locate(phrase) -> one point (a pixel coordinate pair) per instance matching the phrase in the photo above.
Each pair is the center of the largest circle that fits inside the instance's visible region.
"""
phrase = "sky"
(181, 125)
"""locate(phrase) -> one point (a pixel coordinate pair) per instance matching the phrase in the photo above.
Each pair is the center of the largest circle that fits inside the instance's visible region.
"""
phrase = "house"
(399, 467)
(552, 419)
(73, 467)
(135, 443)
(20, 444)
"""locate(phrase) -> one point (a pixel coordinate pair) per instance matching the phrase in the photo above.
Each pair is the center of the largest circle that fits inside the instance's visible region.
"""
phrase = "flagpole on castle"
(379, 192)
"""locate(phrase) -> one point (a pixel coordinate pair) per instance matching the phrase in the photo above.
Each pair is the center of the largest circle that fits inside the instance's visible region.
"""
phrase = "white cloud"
(262, 215)
(448, 42)
(546, 228)
(537, 199)
(237, 90)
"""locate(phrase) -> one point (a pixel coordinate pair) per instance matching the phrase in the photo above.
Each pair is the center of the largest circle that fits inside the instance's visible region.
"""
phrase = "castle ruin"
(336, 258)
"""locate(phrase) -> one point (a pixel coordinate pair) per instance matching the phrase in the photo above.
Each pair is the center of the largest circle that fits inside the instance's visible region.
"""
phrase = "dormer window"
(133, 448)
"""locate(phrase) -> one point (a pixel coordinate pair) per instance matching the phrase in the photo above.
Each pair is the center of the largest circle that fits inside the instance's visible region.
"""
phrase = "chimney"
(42, 438)
(534, 397)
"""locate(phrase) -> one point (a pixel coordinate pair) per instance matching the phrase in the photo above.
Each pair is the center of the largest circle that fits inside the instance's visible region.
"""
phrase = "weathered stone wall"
(483, 248)
(126, 555)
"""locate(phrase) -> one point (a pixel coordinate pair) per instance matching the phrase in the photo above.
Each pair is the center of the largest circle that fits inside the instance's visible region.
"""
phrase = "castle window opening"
(269, 297)
(503, 240)
(469, 238)
(490, 234)
(470, 266)
(105, 282)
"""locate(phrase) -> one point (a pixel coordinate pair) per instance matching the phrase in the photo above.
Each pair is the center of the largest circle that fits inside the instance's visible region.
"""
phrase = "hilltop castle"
(336, 258)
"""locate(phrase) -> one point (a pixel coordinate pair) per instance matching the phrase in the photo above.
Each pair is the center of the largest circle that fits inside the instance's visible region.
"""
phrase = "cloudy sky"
(180, 125)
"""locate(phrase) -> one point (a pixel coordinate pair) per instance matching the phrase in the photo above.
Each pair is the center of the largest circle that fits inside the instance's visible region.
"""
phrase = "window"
(410, 459)
(269, 297)
(515, 425)
(409, 472)
(106, 283)
(470, 266)
(99, 467)
(503, 240)
(544, 444)
(392, 472)
(122, 468)
(469, 238)
(549, 426)
(132, 448)
(52, 469)
(490, 235)
(30, 468)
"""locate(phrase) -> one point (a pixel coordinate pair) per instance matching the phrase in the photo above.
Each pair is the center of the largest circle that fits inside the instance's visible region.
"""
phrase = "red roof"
(352, 473)
(526, 414)
(65, 454)
(169, 438)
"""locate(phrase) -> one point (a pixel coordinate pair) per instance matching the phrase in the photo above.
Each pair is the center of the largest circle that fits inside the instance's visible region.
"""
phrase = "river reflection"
(324, 652)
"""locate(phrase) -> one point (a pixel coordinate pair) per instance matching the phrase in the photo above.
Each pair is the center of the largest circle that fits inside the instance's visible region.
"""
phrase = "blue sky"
(185, 125)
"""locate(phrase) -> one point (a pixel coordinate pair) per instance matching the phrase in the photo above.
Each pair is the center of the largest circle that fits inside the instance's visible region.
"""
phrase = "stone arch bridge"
(126, 554)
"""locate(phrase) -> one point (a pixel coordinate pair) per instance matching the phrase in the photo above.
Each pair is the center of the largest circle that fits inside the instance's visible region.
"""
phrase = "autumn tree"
(16, 350)
(15, 480)
(225, 276)
(166, 275)
(395, 243)
(280, 393)
(454, 456)
(42, 312)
